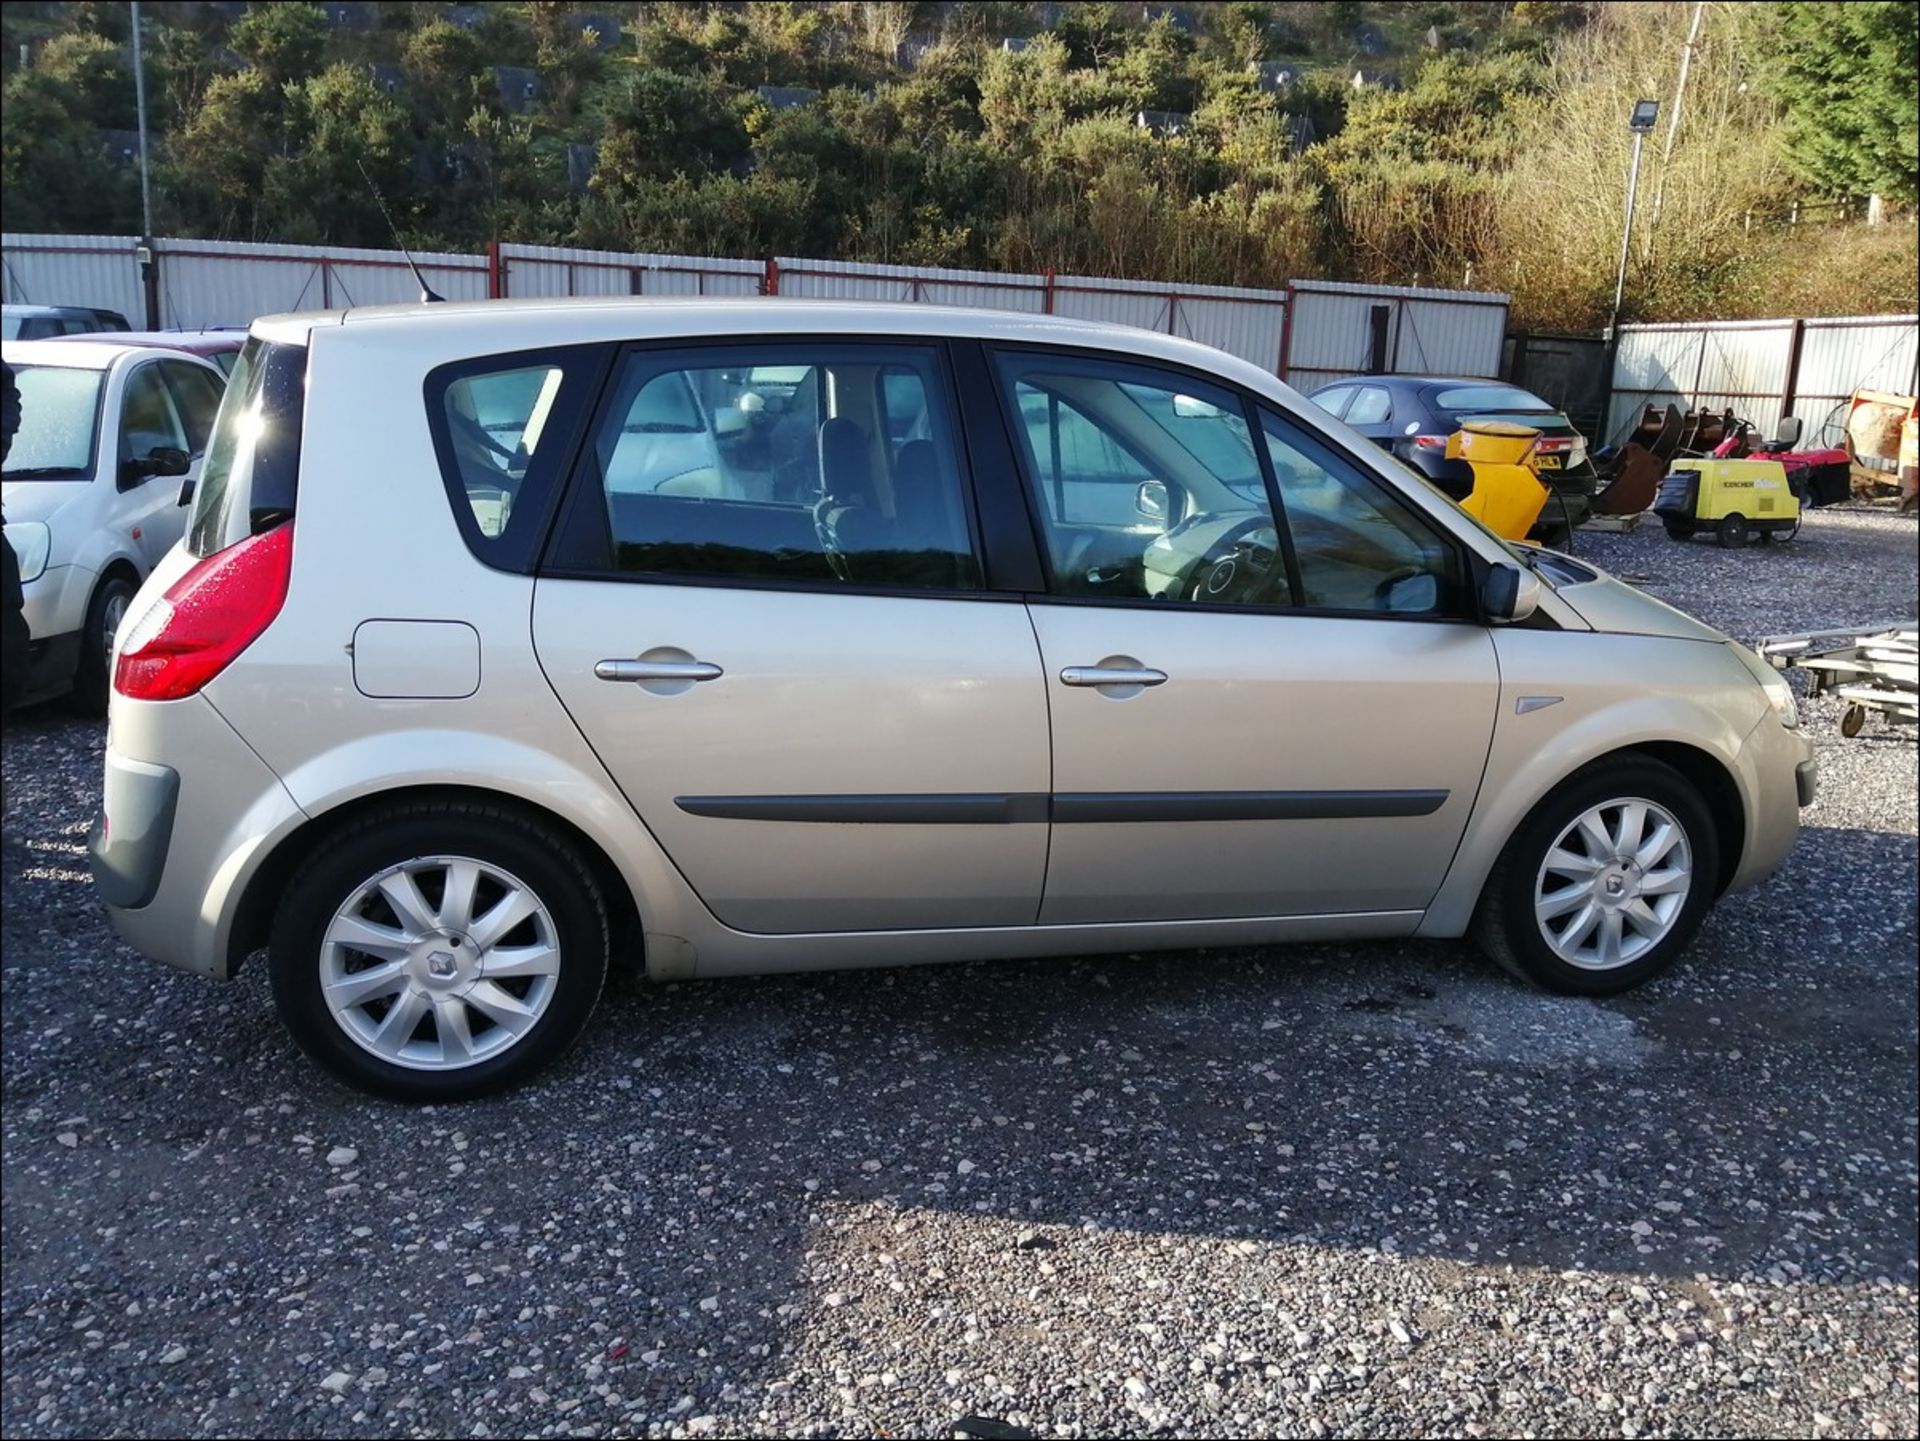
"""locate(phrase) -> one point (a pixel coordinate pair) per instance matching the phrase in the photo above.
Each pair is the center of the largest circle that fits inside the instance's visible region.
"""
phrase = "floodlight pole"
(148, 275)
(1626, 230)
(1639, 123)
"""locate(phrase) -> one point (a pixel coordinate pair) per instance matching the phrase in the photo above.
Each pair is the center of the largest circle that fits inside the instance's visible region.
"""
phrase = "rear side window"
(503, 427)
(252, 471)
(834, 464)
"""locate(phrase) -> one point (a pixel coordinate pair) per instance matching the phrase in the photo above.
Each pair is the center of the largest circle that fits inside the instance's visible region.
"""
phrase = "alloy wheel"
(1614, 884)
(440, 963)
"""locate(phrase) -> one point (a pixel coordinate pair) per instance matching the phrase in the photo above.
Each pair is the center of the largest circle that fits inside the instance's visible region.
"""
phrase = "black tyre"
(439, 951)
(1678, 529)
(1733, 532)
(93, 676)
(1605, 883)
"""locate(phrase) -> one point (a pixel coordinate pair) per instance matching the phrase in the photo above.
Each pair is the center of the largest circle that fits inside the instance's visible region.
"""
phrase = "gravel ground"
(1329, 1190)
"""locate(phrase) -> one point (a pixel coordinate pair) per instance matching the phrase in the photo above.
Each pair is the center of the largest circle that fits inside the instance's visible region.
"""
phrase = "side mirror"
(186, 492)
(1153, 500)
(1510, 593)
(161, 460)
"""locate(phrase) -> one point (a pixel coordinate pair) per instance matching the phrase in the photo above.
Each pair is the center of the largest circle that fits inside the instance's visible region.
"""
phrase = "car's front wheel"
(1605, 883)
(439, 951)
(93, 679)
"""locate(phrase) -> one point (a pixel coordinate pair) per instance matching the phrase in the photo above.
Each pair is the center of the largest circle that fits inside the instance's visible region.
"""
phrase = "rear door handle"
(1095, 675)
(647, 670)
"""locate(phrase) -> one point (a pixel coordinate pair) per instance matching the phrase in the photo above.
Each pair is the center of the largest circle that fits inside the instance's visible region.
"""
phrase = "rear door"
(765, 610)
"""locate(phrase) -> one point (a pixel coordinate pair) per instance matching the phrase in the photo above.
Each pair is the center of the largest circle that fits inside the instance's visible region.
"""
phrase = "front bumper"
(1777, 776)
(173, 889)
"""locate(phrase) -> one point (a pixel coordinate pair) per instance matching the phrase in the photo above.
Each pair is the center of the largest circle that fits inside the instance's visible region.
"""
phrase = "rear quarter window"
(504, 430)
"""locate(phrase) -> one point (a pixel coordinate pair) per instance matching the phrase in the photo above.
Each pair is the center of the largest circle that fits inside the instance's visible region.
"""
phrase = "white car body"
(75, 530)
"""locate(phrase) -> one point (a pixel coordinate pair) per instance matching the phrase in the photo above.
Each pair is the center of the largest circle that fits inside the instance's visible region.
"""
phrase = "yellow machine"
(1735, 499)
(1508, 494)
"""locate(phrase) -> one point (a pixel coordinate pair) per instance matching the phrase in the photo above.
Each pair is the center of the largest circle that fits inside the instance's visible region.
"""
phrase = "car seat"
(847, 516)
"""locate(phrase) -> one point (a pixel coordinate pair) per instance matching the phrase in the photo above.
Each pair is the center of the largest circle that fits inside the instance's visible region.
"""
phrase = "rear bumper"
(174, 849)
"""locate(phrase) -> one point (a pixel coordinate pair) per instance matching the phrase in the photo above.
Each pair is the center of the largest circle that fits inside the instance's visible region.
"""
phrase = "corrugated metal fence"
(1311, 332)
(1764, 369)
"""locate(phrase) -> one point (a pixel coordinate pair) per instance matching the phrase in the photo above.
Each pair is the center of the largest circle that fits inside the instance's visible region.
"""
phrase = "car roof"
(194, 342)
(91, 311)
(529, 323)
(83, 352)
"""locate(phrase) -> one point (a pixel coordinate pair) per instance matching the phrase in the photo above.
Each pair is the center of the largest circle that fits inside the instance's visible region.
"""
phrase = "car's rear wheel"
(439, 951)
(1605, 883)
(93, 677)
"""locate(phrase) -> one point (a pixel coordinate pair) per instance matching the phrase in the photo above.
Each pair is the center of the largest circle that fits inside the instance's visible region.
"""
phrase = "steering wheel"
(1383, 592)
(1239, 567)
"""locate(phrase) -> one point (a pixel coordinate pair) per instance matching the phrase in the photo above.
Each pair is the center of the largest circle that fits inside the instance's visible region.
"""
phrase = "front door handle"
(1112, 675)
(654, 670)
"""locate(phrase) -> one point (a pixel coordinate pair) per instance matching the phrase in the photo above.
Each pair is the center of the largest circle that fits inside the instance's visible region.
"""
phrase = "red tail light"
(1430, 442)
(206, 618)
(1551, 444)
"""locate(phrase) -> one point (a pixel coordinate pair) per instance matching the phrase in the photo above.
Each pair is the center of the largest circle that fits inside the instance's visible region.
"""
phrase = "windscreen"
(59, 423)
(252, 471)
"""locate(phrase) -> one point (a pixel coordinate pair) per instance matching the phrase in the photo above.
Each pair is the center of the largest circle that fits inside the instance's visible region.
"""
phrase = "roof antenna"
(427, 293)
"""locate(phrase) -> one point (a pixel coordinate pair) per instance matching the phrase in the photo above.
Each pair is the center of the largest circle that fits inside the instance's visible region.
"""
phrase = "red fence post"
(496, 272)
(770, 284)
(1048, 292)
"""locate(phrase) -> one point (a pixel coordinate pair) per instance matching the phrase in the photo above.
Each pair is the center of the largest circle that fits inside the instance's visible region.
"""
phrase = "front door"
(1255, 712)
(765, 612)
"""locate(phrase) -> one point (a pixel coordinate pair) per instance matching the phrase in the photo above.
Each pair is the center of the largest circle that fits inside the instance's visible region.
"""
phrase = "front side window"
(1358, 547)
(1334, 400)
(1372, 405)
(148, 419)
(1147, 483)
(196, 395)
(59, 419)
(834, 464)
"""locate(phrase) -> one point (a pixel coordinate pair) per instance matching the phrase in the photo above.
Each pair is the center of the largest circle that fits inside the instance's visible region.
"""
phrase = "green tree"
(52, 169)
(97, 72)
(214, 170)
(283, 41)
(1847, 75)
(337, 123)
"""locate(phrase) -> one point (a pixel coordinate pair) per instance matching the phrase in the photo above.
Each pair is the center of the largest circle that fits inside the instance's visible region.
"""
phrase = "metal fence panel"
(74, 270)
(552, 270)
(926, 284)
(1748, 366)
(1249, 329)
(1840, 356)
(218, 282)
(1324, 329)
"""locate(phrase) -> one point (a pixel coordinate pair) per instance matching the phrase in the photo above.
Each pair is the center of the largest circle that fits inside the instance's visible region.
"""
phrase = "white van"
(110, 437)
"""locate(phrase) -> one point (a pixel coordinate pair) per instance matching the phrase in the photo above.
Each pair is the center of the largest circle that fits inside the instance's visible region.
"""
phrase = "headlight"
(1779, 693)
(31, 540)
